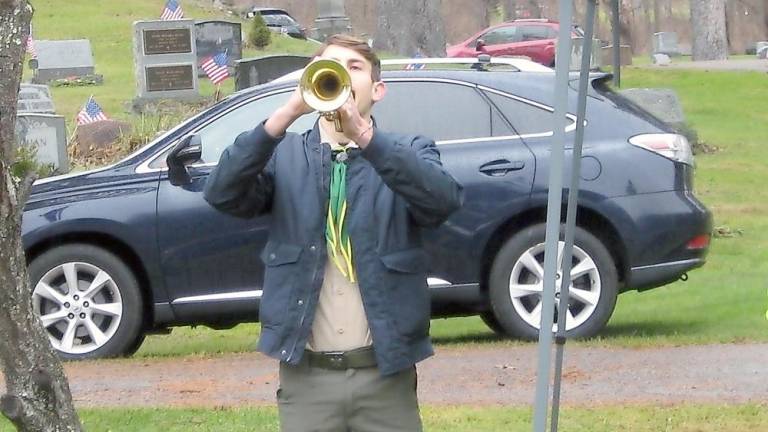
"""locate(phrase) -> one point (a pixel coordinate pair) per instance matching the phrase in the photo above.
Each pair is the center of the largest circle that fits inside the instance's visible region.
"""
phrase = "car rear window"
(526, 118)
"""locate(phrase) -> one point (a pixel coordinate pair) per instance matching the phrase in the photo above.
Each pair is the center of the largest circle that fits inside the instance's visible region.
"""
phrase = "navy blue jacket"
(395, 187)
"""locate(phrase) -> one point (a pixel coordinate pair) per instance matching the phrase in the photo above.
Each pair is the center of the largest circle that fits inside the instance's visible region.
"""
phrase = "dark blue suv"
(133, 248)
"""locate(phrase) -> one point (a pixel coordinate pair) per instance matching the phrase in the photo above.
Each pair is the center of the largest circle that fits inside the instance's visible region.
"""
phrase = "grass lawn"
(445, 419)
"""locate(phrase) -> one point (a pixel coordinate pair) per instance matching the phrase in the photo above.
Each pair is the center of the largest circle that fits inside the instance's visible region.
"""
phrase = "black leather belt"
(341, 360)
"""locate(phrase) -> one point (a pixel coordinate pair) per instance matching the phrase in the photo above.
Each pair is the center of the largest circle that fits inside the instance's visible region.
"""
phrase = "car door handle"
(501, 167)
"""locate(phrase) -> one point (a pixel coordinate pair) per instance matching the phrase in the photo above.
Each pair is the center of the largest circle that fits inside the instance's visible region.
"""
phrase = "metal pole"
(615, 27)
(566, 257)
(554, 203)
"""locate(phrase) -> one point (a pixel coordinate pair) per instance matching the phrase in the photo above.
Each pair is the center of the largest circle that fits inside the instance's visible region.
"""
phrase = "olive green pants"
(312, 399)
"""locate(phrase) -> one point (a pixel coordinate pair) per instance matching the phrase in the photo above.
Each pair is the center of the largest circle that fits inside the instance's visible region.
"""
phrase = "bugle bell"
(325, 86)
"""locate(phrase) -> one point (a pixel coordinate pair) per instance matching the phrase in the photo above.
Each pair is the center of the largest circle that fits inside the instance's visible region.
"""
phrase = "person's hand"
(284, 116)
(296, 105)
(356, 128)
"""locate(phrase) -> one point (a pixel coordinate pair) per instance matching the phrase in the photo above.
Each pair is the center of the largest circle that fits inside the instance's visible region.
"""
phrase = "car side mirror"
(479, 44)
(185, 152)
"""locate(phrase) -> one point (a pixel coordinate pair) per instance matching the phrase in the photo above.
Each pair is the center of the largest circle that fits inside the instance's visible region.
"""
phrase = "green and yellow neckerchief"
(339, 245)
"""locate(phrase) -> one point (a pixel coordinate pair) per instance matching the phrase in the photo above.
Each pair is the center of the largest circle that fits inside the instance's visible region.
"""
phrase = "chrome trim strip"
(72, 175)
(469, 285)
(669, 264)
(239, 295)
(437, 281)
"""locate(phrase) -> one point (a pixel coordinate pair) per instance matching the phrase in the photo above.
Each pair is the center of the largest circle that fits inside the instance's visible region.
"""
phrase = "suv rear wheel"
(88, 301)
(517, 279)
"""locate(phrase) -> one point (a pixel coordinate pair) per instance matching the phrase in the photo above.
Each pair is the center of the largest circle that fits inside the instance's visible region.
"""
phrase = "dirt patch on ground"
(719, 374)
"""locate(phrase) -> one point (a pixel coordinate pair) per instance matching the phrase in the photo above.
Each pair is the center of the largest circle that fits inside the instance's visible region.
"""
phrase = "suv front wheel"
(88, 301)
(517, 280)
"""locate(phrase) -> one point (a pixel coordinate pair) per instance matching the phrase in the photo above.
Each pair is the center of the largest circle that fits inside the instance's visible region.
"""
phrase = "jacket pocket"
(280, 280)
(409, 297)
(276, 254)
(406, 261)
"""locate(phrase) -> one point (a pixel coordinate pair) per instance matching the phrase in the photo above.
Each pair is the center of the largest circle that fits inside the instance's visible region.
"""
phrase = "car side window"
(221, 133)
(525, 118)
(441, 111)
(534, 33)
(503, 35)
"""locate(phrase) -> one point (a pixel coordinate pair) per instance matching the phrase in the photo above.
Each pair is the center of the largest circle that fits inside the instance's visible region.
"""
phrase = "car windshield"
(278, 20)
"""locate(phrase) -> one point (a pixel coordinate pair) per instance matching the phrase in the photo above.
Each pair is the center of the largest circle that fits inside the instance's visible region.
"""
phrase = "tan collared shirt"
(340, 322)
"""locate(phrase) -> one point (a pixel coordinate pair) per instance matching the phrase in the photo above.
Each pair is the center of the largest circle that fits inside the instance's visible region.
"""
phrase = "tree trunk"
(534, 8)
(38, 396)
(710, 39)
(510, 10)
(656, 16)
(410, 27)
(626, 18)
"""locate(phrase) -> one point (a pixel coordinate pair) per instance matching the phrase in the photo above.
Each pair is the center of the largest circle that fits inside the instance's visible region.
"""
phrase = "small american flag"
(415, 66)
(216, 68)
(90, 113)
(31, 47)
(172, 11)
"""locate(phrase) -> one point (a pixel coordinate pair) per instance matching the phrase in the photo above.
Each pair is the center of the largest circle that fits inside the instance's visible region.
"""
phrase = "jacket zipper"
(314, 273)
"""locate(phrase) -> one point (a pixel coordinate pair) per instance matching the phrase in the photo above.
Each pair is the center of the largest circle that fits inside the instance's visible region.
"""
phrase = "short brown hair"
(358, 45)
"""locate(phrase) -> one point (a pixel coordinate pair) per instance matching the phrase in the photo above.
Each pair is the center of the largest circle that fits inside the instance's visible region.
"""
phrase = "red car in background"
(533, 38)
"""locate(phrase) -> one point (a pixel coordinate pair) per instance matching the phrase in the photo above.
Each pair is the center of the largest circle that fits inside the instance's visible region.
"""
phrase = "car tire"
(516, 280)
(96, 320)
(490, 320)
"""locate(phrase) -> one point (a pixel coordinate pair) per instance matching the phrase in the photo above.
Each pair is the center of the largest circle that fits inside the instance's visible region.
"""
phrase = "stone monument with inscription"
(331, 19)
(214, 37)
(35, 98)
(57, 59)
(47, 134)
(165, 60)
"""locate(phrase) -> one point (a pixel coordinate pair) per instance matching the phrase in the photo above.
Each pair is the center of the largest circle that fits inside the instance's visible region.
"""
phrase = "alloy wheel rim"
(526, 283)
(79, 305)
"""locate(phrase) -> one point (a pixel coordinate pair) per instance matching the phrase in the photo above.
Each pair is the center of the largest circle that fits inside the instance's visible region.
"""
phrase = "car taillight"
(698, 242)
(671, 146)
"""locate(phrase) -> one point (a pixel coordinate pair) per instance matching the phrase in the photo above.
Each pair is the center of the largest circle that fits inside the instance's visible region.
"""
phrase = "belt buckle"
(337, 360)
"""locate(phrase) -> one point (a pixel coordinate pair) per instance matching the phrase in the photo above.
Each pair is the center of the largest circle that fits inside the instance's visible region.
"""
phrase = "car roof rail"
(541, 20)
(516, 63)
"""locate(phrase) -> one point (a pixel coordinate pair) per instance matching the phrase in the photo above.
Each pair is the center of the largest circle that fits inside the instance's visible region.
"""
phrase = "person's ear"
(378, 91)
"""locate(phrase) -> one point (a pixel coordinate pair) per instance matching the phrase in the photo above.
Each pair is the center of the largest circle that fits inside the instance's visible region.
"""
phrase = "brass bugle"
(325, 86)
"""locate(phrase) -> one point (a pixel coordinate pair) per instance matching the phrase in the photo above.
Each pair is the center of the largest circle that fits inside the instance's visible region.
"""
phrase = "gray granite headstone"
(165, 60)
(214, 37)
(762, 50)
(331, 19)
(662, 103)
(58, 59)
(255, 71)
(36, 106)
(661, 59)
(48, 134)
(666, 43)
(35, 98)
(34, 91)
(625, 55)
(576, 53)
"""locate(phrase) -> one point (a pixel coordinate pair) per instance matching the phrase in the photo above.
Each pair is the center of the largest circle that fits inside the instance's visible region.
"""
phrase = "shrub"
(259, 34)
